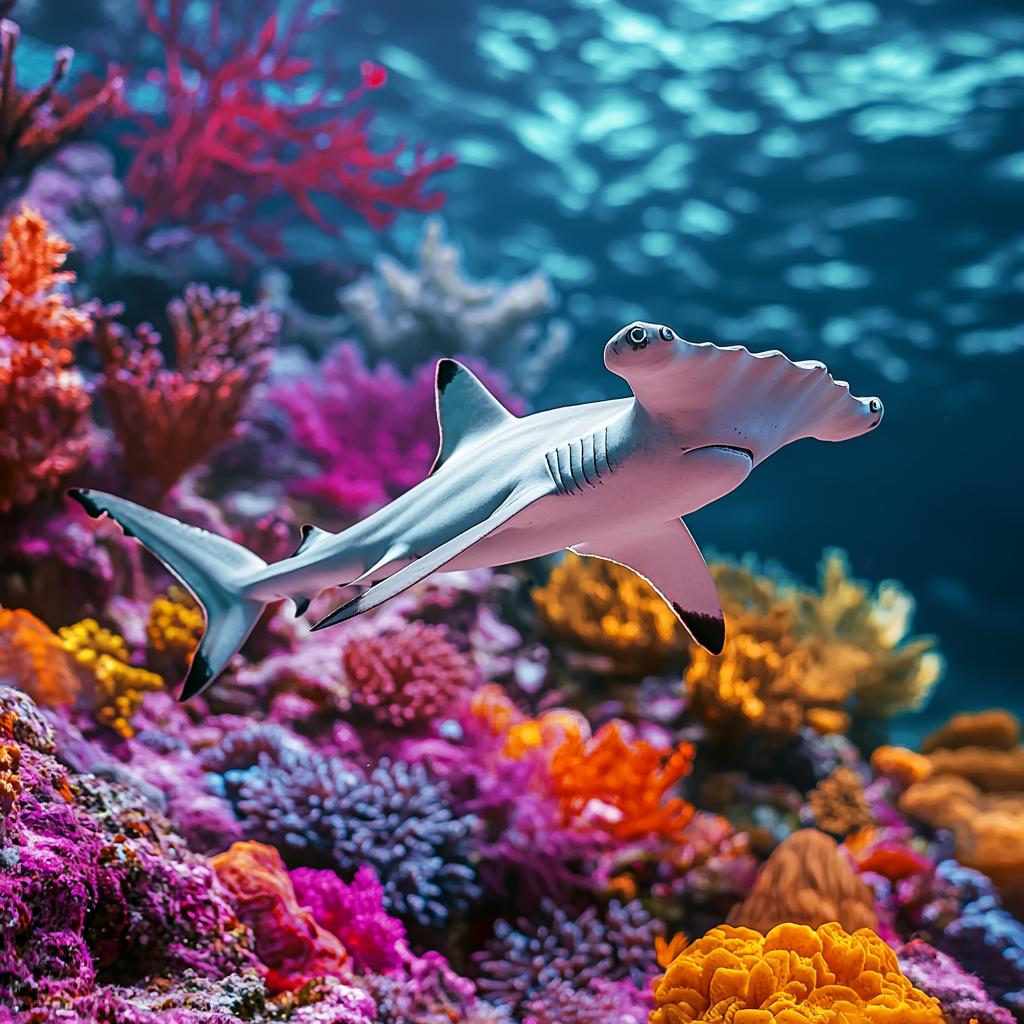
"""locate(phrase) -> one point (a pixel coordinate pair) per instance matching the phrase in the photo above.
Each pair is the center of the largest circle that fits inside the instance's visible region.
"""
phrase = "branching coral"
(288, 939)
(612, 783)
(119, 686)
(167, 421)
(406, 676)
(605, 607)
(34, 659)
(838, 805)
(796, 656)
(408, 316)
(241, 125)
(807, 881)
(44, 427)
(373, 433)
(36, 123)
(792, 974)
(523, 965)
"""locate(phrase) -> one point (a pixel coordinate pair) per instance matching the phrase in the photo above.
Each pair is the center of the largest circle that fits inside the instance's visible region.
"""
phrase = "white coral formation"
(408, 316)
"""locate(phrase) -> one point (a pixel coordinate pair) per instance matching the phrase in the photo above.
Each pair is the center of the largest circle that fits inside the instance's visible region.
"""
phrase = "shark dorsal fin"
(466, 410)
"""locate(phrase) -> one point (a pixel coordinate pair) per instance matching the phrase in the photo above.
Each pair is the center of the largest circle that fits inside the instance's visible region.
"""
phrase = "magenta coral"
(354, 913)
(234, 133)
(373, 433)
(406, 675)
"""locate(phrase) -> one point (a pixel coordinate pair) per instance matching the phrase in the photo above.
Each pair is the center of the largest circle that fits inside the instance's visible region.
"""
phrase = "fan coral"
(44, 426)
(240, 127)
(288, 939)
(962, 996)
(408, 316)
(372, 433)
(618, 785)
(406, 675)
(806, 881)
(519, 966)
(36, 123)
(397, 821)
(354, 913)
(903, 767)
(793, 973)
(34, 659)
(167, 421)
(996, 729)
(605, 607)
(838, 805)
(119, 686)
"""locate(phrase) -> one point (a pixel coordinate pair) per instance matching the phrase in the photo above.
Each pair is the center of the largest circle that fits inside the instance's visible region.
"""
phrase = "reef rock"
(806, 881)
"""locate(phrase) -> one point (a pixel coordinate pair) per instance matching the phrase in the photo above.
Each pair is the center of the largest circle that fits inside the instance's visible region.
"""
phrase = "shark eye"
(875, 405)
(637, 334)
(666, 333)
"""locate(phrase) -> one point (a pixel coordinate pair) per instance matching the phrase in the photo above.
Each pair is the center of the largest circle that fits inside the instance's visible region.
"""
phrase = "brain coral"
(793, 975)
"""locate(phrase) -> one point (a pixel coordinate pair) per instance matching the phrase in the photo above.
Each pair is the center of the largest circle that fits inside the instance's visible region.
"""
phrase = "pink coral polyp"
(407, 675)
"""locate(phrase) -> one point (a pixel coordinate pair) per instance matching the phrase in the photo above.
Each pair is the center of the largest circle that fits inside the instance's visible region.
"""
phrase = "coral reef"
(45, 432)
(407, 316)
(288, 939)
(792, 973)
(526, 969)
(807, 881)
(238, 121)
(167, 421)
(406, 676)
(36, 123)
(837, 804)
(372, 432)
(604, 607)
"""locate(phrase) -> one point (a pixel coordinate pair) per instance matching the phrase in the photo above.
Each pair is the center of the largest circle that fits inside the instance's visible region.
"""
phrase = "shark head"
(640, 350)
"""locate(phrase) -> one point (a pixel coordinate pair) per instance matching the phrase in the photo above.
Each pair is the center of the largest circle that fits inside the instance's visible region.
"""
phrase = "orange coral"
(793, 975)
(995, 729)
(838, 803)
(901, 766)
(621, 786)
(44, 427)
(34, 659)
(10, 779)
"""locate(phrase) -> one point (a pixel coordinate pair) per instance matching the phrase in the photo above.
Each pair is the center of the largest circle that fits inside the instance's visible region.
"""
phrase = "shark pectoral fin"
(669, 559)
(440, 556)
(465, 409)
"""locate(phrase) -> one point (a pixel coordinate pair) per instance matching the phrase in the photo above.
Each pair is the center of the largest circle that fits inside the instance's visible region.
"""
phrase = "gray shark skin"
(611, 479)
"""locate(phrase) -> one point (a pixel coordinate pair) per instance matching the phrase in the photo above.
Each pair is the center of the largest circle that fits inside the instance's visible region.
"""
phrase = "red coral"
(44, 426)
(33, 125)
(168, 421)
(288, 939)
(406, 675)
(227, 141)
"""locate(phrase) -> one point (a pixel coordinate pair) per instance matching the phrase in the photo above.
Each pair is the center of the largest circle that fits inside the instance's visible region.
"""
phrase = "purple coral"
(373, 433)
(406, 675)
(354, 913)
(526, 969)
(598, 1002)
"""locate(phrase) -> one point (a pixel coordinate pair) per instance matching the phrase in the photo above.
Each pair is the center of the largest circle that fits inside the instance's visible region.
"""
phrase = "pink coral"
(373, 433)
(235, 133)
(406, 675)
(354, 913)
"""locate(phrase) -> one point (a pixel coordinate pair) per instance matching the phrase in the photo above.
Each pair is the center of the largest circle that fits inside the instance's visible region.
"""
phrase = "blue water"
(842, 180)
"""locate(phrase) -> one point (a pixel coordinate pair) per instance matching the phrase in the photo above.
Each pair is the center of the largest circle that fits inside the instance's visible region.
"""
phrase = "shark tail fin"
(213, 568)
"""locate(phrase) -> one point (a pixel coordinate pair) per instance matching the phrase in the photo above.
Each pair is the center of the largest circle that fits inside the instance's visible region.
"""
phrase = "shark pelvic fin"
(397, 551)
(668, 558)
(309, 535)
(466, 410)
(440, 556)
(301, 604)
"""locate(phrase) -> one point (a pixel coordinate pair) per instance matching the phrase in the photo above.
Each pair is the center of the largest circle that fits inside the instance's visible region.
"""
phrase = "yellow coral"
(793, 975)
(176, 624)
(604, 607)
(34, 659)
(118, 686)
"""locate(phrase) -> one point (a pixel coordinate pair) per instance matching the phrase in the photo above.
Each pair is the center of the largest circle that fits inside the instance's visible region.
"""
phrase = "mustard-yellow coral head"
(792, 975)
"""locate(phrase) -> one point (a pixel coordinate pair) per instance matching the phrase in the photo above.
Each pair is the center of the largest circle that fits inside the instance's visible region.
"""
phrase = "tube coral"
(44, 426)
(167, 421)
(240, 128)
(792, 974)
(407, 675)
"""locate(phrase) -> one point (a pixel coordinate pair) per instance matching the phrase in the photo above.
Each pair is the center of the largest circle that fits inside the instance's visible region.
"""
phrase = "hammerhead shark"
(611, 479)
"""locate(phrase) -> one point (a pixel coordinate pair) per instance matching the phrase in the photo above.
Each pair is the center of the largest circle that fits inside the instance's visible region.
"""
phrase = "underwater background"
(236, 239)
